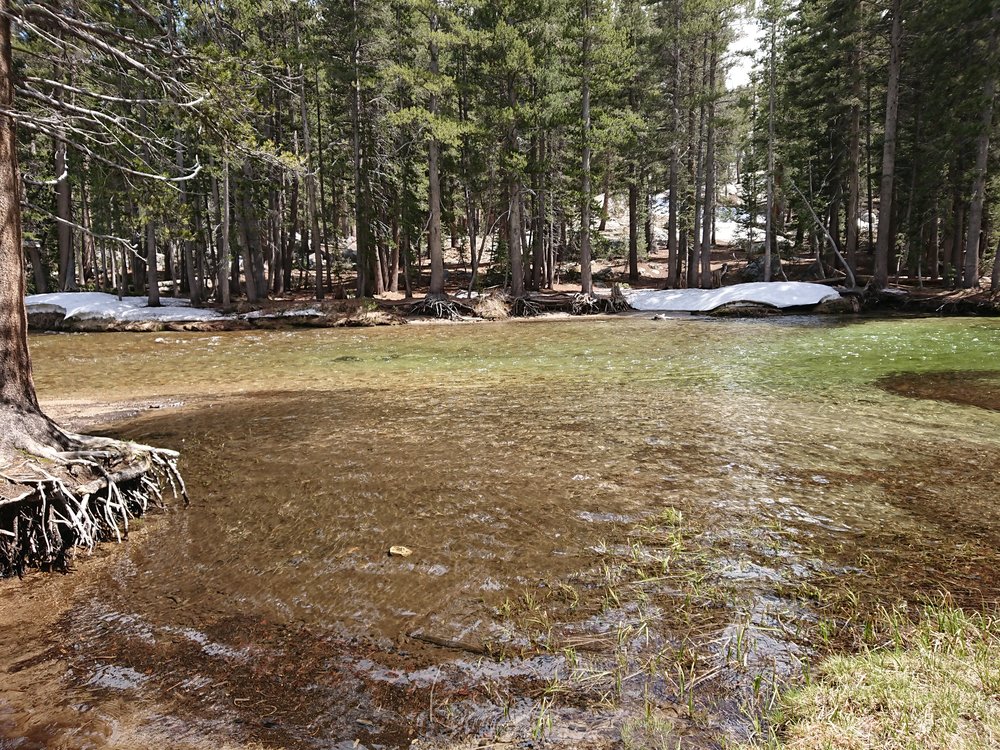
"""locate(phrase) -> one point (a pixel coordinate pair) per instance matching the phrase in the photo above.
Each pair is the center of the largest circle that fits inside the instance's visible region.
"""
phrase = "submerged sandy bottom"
(610, 521)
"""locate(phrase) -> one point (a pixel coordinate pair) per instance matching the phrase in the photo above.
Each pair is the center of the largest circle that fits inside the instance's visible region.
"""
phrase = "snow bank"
(290, 313)
(777, 294)
(100, 306)
(727, 231)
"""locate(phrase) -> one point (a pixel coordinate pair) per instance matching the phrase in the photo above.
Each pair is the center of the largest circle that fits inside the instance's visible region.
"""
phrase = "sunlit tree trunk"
(434, 177)
(885, 224)
(586, 282)
(971, 276)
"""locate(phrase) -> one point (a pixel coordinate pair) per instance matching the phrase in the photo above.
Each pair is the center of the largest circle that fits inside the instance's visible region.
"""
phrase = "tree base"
(441, 306)
(60, 491)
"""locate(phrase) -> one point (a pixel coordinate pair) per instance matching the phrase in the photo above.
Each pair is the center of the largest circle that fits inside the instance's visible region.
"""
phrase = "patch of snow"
(292, 313)
(775, 293)
(100, 306)
(726, 231)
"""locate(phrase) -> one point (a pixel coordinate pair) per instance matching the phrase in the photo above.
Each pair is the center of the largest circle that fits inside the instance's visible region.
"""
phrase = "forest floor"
(731, 265)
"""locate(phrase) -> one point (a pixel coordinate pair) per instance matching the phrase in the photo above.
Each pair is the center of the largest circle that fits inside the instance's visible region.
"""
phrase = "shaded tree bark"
(885, 224)
(971, 275)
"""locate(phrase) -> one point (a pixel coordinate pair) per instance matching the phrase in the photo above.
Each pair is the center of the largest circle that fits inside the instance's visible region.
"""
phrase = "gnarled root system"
(60, 491)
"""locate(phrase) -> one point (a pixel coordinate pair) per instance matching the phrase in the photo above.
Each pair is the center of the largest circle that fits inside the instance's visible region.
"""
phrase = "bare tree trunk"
(769, 217)
(366, 255)
(538, 222)
(586, 282)
(312, 210)
(320, 181)
(152, 277)
(854, 140)
(673, 230)
(633, 229)
(434, 178)
(38, 269)
(17, 390)
(885, 227)
(971, 276)
(514, 207)
(194, 288)
(995, 279)
(64, 212)
(88, 248)
(288, 255)
(706, 242)
(394, 253)
(224, 231)
(694, 277)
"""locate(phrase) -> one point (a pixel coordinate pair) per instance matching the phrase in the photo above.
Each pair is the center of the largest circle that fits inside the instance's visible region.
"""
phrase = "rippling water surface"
(520, 463)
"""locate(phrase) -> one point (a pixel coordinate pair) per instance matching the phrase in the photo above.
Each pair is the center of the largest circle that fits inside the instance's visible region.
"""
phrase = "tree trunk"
(854, 138)
(673, 230)
(434, 178)
(633, 230)
(995, 279)
(312, 210)
(152, 276)
(769, 216)
(586, 282)
(48, 504)
(225, 254)
(194, 289)
(971, 276)
(694, 277)
(64, 229)
(606, 199)
(17, 389)
(706, 242)
(885, 238)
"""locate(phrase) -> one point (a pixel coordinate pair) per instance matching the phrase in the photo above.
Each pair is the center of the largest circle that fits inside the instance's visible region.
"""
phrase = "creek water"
(619, 529)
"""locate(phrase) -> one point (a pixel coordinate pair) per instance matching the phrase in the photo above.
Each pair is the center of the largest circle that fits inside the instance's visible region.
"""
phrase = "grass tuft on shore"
(933, 684)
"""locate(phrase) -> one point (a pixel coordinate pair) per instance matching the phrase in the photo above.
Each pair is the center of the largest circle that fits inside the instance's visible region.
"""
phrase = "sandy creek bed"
(621, 529)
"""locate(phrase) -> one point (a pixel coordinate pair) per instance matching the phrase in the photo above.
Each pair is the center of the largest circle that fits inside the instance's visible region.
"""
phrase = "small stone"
(400, 551)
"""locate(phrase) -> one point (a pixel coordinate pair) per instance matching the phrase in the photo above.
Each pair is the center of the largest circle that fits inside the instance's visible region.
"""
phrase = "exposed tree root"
(59, 490)
(591, 304)
(440, 306)
(587, 304)
(618, 302)
(522, 307)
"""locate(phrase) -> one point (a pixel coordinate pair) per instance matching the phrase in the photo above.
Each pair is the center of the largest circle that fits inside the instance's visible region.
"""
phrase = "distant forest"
(258, 147)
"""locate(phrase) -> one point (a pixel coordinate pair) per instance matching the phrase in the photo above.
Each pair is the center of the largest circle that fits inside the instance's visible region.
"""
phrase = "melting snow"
(100, 306)
(776, 294)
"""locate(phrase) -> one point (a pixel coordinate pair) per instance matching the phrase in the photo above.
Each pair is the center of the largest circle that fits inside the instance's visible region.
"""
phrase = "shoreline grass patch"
(931, 685)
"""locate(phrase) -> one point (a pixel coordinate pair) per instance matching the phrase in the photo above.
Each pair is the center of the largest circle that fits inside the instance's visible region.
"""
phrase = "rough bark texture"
(854, 139)
(17, 391)
(57, 490)
(709, 205)
(970, 277)
(885, 233)
(434, 181)
(586, 282)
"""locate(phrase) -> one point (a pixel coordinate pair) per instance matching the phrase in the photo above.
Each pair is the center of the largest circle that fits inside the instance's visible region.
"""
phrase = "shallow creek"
(624, 532)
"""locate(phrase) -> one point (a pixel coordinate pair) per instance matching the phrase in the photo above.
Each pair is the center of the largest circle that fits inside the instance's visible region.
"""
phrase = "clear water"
(512, 459)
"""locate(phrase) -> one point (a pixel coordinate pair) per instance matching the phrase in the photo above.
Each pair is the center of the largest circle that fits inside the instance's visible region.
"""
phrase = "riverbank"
(92, 312)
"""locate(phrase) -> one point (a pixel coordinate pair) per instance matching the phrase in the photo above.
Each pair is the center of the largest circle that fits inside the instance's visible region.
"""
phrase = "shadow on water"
(981, 389)
(615, 538)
